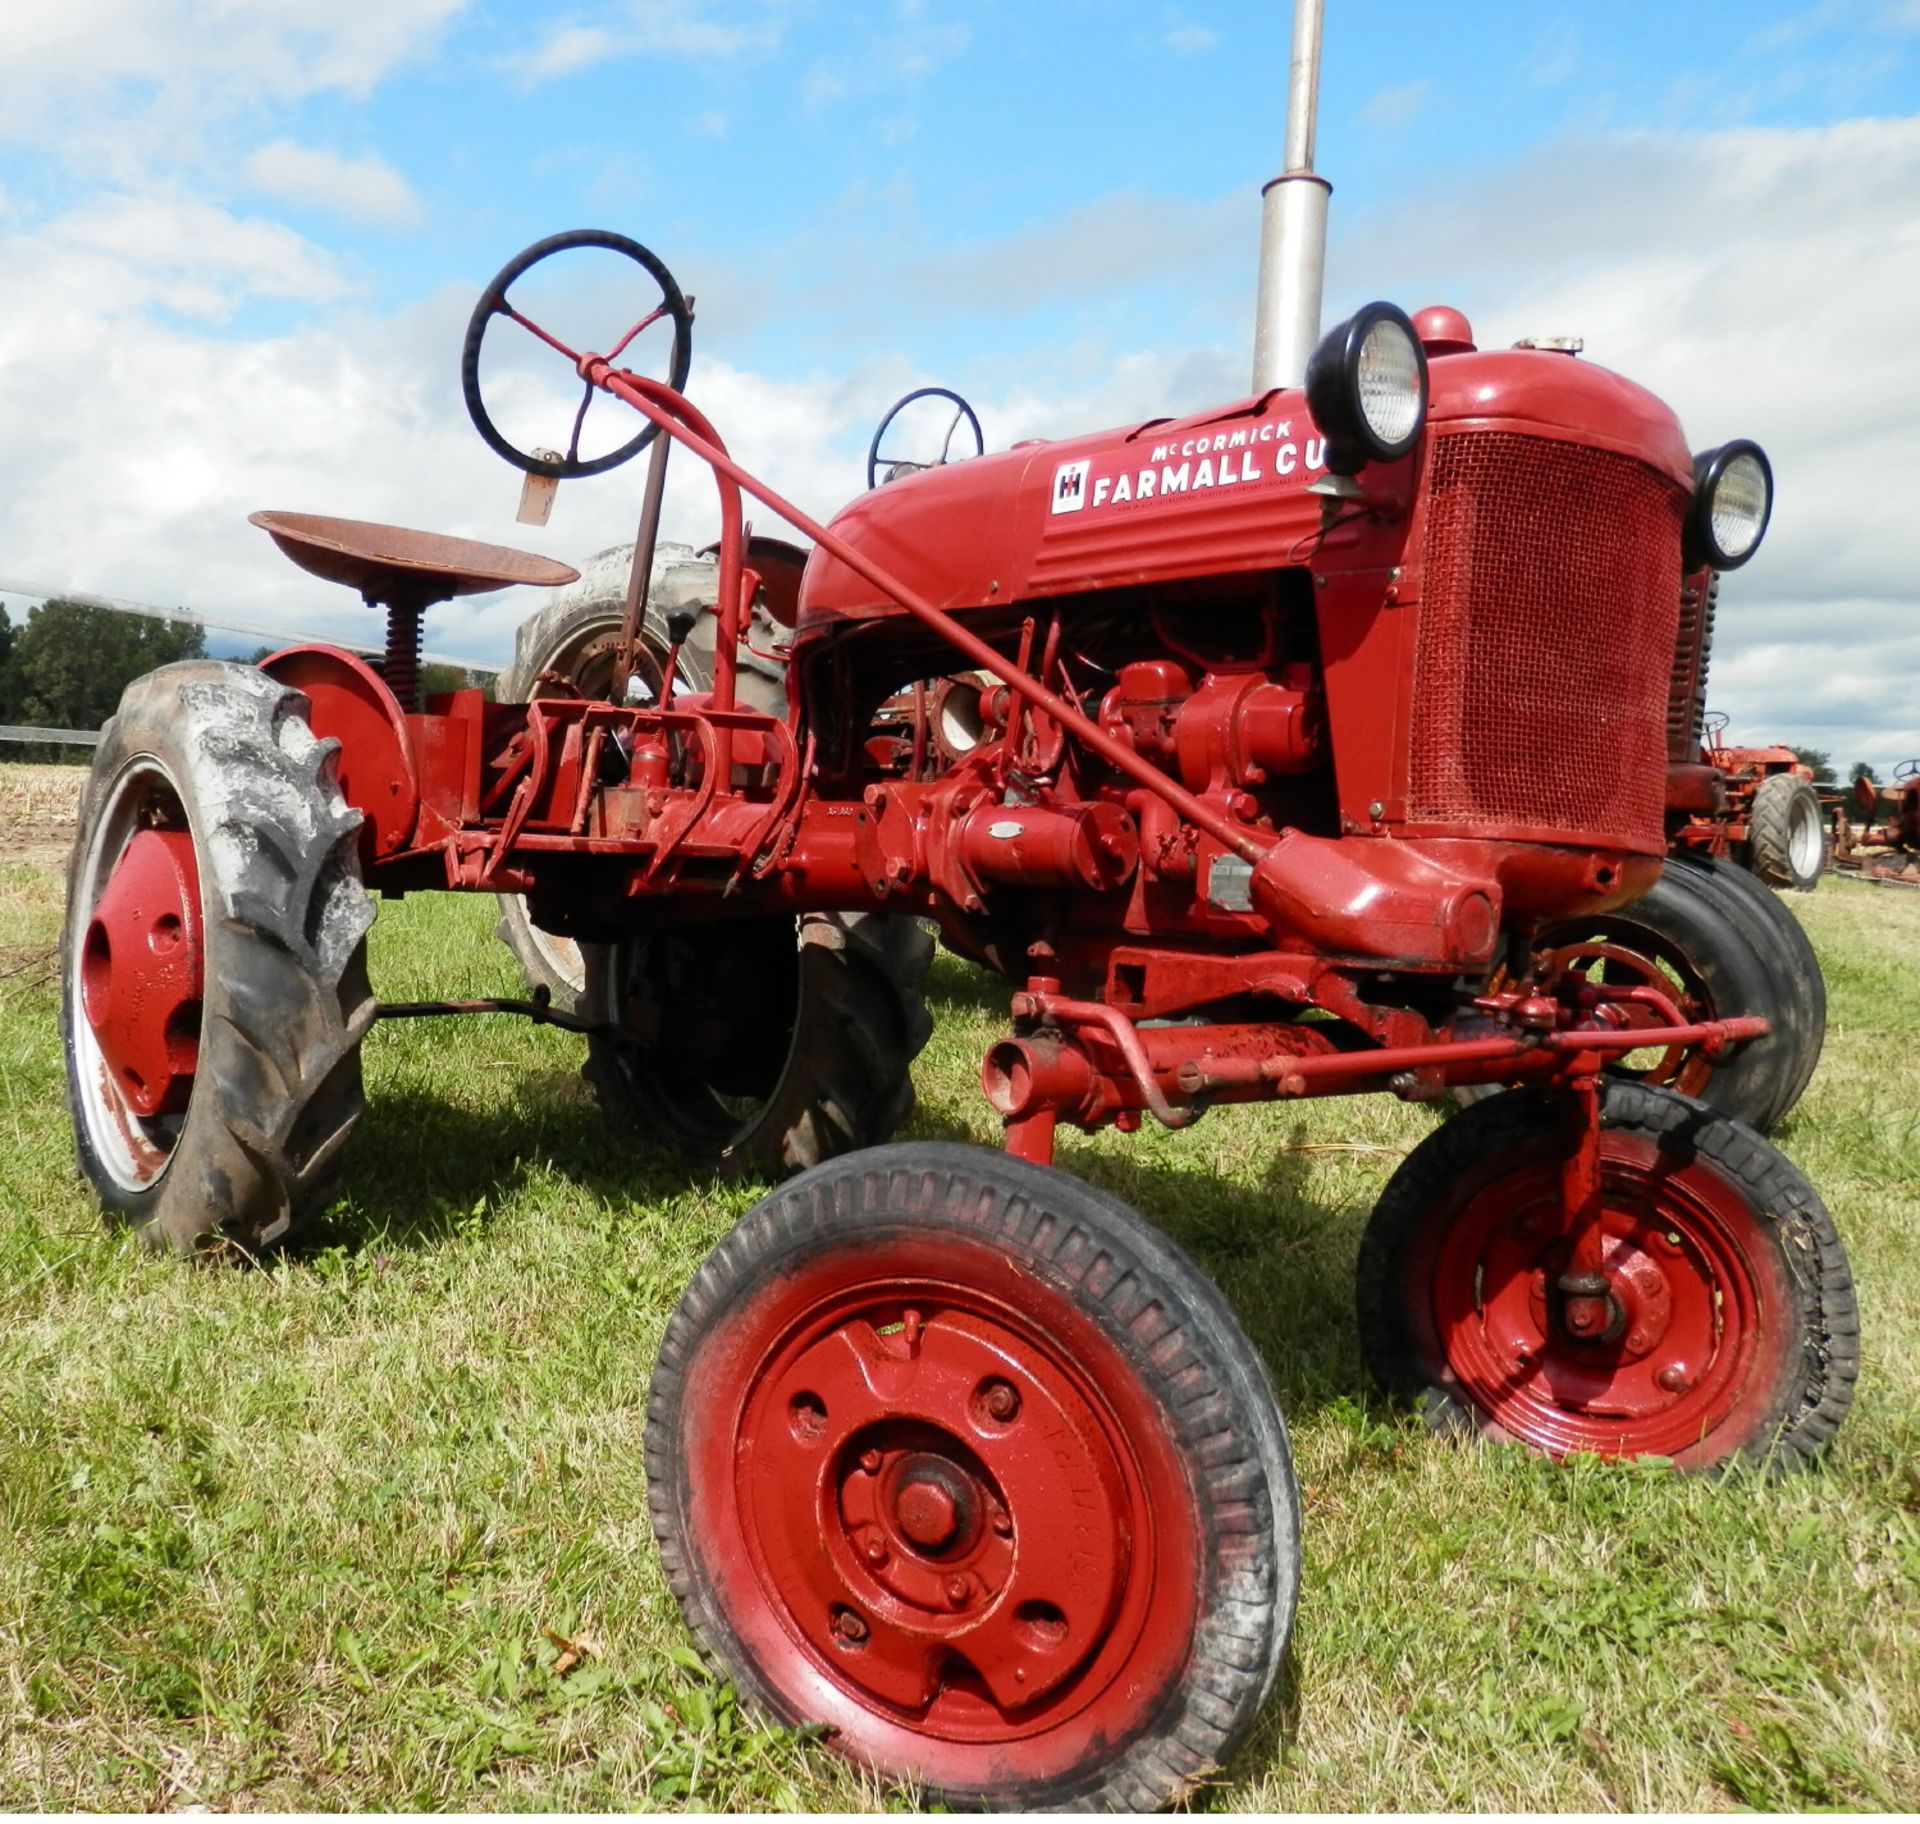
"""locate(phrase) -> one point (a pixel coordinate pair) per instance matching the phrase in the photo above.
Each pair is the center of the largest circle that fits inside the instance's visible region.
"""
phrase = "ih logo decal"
(1070, 486)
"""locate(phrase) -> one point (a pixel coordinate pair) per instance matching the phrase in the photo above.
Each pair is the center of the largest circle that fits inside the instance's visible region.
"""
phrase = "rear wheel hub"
(142, 972)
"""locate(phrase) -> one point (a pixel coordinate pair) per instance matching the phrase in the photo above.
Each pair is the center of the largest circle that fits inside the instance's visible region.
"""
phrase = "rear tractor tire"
(1787, 838)
(961, 1458)
(760, 1046)
(1735, 1335)
(1719, 944)
(213, 968)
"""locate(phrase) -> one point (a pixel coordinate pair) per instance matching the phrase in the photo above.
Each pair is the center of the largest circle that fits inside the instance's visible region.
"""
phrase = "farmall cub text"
(1285, 727)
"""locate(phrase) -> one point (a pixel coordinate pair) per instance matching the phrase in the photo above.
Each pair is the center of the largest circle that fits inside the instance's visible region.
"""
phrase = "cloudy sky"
(241, 239)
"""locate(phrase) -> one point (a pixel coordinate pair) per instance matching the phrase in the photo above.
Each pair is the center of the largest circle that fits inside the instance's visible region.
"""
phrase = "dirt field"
(37, 805)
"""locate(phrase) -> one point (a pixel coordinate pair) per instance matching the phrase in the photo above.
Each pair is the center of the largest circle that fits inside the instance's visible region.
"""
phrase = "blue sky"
(244, 234)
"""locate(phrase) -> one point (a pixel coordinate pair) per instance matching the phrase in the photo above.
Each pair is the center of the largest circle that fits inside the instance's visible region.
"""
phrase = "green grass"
(316, 1536)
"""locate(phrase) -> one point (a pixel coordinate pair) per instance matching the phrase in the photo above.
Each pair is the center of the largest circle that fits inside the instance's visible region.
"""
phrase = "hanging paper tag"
(537, 492)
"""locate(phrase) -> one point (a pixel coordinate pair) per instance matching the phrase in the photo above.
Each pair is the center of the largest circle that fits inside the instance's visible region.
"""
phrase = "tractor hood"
(1224, 490)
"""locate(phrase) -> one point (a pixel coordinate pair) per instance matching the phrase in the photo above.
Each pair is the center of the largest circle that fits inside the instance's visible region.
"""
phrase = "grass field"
(366, 1528)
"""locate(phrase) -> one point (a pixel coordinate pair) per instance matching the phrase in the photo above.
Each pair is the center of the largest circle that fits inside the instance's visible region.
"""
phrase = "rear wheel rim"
(136, 968)
(1805, 840)
(963, 1530)
(1695, 1294)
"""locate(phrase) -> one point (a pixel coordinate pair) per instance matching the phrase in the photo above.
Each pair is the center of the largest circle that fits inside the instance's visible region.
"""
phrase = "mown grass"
(366, 1528)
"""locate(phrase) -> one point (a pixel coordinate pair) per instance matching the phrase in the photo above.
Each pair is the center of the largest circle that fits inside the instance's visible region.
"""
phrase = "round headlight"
(1367, 388)
(1732, 502)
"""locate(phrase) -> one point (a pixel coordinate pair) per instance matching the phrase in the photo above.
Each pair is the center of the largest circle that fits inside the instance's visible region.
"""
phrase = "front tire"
(1736, 1333)
(958, 1456)
(214, 980)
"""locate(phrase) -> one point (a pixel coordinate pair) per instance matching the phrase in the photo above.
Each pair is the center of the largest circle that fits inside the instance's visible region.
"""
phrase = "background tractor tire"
(1055, 1558)
(567, 649)
(270, 1053)
(1738, 1337)
(774, 1044)
(1722, 944)
(1787, 838)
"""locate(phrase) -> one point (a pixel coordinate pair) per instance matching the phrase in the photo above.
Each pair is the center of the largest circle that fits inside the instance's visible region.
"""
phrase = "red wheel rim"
(1617, 965)
(944, 1513)
(1694, 1347)
(137, 971)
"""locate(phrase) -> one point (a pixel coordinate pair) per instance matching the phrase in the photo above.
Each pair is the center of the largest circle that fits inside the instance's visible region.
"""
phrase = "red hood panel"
(1223, 491)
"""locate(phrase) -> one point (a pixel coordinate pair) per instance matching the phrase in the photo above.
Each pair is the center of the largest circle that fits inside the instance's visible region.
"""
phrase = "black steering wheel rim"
(1905, 770)
(490, 306)
(900, 405)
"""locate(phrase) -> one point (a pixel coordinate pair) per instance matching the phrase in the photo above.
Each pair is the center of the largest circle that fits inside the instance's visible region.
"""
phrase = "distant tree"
(1820, 760)
(1861, 770)
(68, 665)
(8, 634)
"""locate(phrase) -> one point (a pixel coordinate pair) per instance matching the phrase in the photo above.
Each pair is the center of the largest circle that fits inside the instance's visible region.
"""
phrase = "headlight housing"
(1732, 502)
(1367, 388)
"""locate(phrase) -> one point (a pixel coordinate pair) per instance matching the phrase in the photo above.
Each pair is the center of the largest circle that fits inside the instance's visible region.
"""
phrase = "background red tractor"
(1872, 817)
(1772, 822)
(946, 1449)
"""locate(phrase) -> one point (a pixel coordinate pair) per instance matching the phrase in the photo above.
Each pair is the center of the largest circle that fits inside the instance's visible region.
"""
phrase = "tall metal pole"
(1293, 226)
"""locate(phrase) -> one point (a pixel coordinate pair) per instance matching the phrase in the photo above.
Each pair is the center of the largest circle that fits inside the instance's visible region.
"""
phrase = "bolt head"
(1676, 1377)
(1003, 1401)
(874, 1549)
(1003, 1523)
(926, 1513)
(849, 1627)
(870, 1462)
(959, 1590)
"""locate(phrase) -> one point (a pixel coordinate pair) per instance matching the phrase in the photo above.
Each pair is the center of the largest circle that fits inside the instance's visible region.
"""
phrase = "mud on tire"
(938, 1262)
(223, 752)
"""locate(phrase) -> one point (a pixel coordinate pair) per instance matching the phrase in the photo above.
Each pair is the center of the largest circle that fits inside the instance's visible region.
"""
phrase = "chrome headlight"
(1732, 502)
(1367, 388)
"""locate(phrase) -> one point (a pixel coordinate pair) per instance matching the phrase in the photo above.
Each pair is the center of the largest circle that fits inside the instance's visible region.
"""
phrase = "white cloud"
(1190, 40)
(226, 56)
(1393, 109)
(667, 28)
(364, 189)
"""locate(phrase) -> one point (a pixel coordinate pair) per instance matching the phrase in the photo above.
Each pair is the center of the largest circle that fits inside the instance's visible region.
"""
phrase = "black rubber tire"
(573, 635)
(1813, 1386)
(1787, 838)
(1179, 1339)
(286, 999)
(1792, 962)
(1743, 953)
(835, 1065)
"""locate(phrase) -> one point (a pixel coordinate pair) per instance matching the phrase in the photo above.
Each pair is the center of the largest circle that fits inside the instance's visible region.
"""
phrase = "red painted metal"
(1678, 1337)
(142, 972)
(956, 1517)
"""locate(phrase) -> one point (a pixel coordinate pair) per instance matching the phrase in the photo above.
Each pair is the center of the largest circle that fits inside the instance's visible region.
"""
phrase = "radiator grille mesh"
(1547, 624)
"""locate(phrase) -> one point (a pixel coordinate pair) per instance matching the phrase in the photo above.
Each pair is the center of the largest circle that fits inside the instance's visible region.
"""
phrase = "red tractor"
(945, 1449)
(1882, 818)
(1772, 822)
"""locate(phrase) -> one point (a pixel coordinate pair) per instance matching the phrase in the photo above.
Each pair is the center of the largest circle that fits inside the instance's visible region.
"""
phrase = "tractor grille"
(1547, 625)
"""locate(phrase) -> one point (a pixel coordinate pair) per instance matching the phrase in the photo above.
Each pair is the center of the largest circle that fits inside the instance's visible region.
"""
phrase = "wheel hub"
(975, 1523)
(142, 972)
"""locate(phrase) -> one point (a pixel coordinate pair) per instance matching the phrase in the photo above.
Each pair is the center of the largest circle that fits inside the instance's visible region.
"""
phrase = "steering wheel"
(1907, 769)
(898, 466)
(493, 303)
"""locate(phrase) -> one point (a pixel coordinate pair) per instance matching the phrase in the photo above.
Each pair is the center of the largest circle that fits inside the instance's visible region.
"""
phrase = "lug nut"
(959, 1590)
(849, 1627)
(870, 1462)
(874, 1549)
(1675, 1378)
(1003, 1401)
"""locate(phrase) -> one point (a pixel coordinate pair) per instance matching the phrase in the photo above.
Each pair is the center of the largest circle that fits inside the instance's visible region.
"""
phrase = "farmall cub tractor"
(946, 1449)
